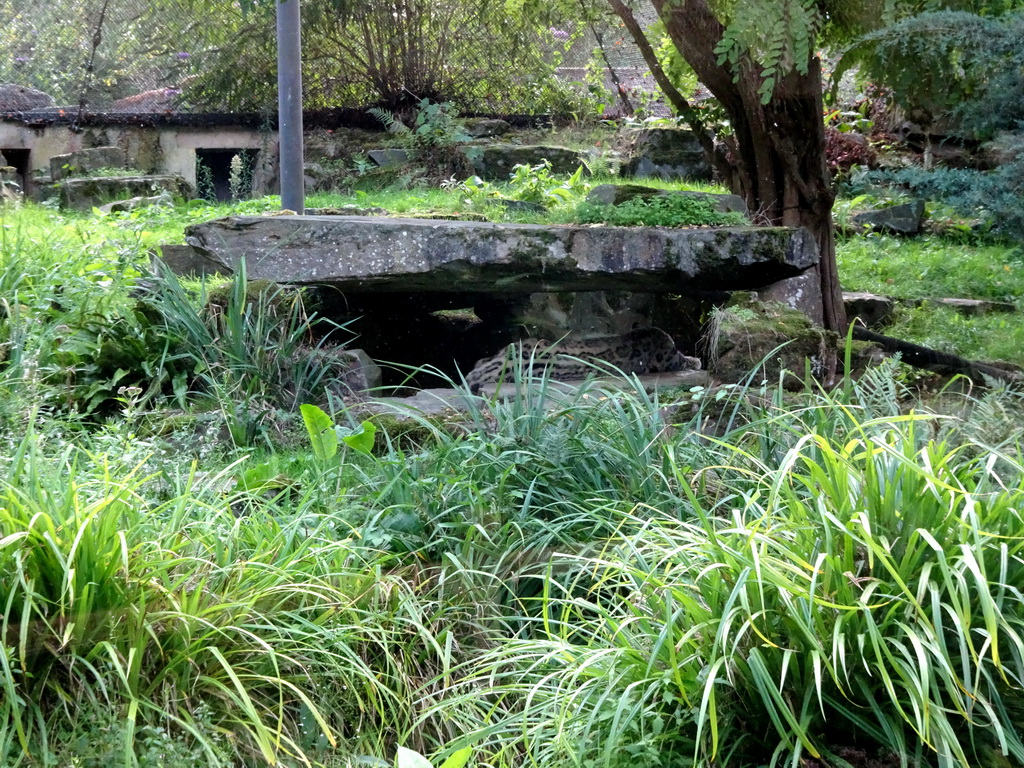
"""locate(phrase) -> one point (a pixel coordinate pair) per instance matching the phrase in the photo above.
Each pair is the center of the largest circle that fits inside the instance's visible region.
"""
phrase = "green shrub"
(658, 211)
(995, 197)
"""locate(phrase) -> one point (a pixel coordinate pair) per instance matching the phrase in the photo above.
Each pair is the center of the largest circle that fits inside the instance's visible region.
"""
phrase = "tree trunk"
(780, 146)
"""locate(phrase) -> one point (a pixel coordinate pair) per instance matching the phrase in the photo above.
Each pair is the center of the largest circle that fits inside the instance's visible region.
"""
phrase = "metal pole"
(289, 104)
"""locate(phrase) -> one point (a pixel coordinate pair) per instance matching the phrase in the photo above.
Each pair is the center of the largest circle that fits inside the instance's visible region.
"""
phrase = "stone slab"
(389, 158)
(440, 401)
(366, 254)
(482, 127)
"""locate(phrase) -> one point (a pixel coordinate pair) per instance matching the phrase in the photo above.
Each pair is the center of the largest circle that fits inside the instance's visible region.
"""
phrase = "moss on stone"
(766, 338)
(414, 433)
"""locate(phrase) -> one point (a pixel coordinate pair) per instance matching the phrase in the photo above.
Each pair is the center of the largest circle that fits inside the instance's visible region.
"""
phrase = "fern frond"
(391, 123)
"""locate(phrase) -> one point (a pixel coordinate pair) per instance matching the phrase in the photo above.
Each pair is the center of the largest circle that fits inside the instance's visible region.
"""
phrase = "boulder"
(358, 255)
(667, 153)
(482, 127)
(903, 219)
(88, 193)
(389, 158)
(802, 293)
(496, 161)
(616, 194)
(18, 98)
(86, 161)
(753, 341)
(871, 309)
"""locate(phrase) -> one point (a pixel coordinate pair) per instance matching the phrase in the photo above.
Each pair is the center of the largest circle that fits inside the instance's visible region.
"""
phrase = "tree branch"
(678, 101)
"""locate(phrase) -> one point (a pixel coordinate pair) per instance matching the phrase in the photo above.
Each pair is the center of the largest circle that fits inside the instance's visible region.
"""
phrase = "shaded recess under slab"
(396, 281)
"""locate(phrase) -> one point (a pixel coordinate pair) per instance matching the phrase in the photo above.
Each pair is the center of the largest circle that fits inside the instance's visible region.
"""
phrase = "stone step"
(440, 401)
(876, 311)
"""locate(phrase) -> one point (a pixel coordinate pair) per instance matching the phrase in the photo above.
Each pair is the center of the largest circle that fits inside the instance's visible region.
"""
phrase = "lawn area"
(935, 267)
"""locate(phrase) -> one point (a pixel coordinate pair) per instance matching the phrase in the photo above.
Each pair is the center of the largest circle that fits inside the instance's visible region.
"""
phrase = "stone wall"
(157, 150)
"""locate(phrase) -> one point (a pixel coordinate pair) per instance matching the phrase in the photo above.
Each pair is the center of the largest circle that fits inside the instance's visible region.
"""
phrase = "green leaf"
(320, 428)
(458, 759)
(574, 180)
(361, 440)
(406, 758)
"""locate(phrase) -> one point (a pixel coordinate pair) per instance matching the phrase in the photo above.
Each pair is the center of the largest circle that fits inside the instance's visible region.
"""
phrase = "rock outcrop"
(88, 193)
(667, 153)
(494, 162)
(86, 161)
(903, 219)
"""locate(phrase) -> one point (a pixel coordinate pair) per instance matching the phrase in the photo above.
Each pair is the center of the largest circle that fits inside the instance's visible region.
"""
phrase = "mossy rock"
(263, 295)
(617, 194)
(753, 341)
(413, 434)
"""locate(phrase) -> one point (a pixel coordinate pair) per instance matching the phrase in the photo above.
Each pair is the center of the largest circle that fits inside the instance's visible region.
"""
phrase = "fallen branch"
(935, 361)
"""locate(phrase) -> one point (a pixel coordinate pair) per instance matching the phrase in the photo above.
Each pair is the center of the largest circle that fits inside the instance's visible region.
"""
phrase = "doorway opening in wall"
(224, 174)
(19, 159)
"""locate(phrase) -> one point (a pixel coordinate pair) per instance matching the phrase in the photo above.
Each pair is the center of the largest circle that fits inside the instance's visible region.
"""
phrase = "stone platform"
(390, 255)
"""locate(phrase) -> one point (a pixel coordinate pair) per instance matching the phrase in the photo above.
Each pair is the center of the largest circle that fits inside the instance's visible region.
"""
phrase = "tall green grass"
(225, 639)
(929, 267)
(841, 582)
(933, 267)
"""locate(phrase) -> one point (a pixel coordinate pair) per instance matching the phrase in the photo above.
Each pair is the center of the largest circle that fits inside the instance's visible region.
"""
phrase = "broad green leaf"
(361, 439)
(322, 437)
(408, 759)
(458, 759)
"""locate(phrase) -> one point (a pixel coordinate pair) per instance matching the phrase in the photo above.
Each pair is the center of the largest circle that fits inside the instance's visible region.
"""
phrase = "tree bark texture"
(779, 147)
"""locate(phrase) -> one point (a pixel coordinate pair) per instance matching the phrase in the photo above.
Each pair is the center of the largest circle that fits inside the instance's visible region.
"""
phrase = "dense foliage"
(951, 65)
(659, 211)
(216, 56)
(995, 199)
